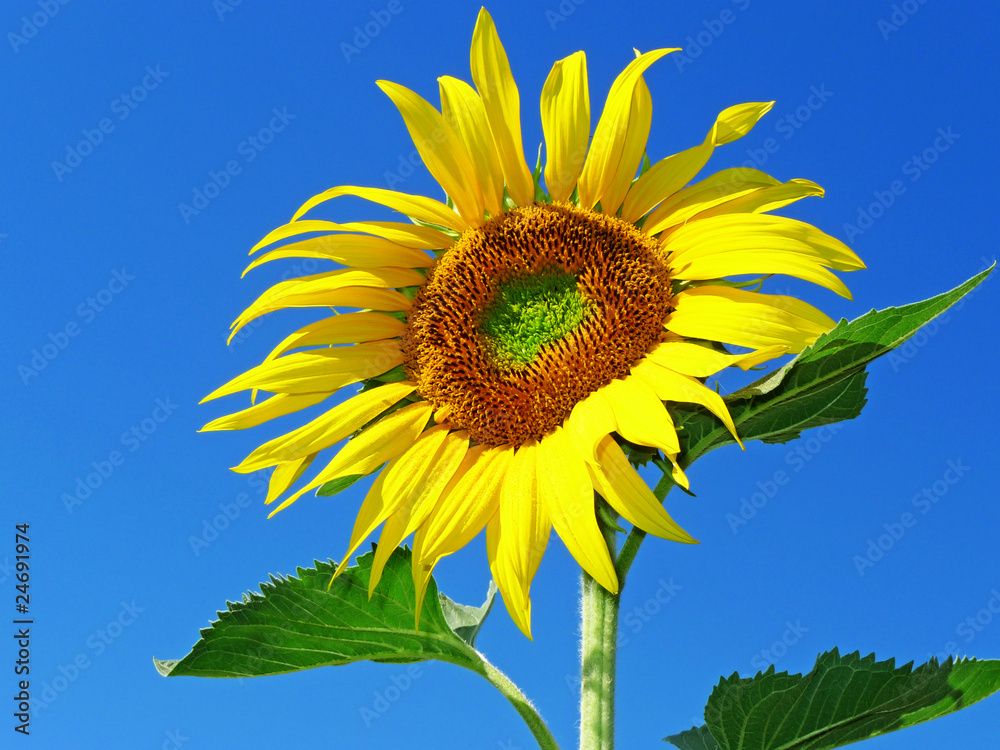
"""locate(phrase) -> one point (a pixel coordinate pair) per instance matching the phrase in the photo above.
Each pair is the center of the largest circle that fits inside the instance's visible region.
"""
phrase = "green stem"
(521, 704)
(599, 640)
(636, 536)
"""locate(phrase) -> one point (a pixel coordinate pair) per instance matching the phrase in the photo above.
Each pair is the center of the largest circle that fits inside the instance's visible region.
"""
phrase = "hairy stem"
(521, 704)
(597, 648)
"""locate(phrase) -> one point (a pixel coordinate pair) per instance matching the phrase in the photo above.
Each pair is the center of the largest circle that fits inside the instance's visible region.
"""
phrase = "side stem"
(599, 640)
(521, 704)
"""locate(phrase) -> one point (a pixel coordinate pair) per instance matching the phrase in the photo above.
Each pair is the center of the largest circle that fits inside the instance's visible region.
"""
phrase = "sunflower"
(510, 341)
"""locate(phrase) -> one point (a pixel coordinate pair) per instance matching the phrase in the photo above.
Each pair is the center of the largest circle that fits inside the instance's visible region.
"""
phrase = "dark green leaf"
(298, 623)
(844, 699)
(696, 738)
(823, 385)
(465, 619)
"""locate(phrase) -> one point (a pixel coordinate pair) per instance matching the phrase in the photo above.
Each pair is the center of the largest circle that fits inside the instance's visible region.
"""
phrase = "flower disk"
(480, 381)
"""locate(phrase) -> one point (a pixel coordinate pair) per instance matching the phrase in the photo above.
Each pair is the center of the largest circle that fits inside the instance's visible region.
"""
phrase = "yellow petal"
(276, 406)
(495, 83)
(393, 532)
(418, 496)
(641, 416)
(701, 361)
(360, 250)
(328, 428)
(742, 318)
(465, 506)
(462, 107)
(523, 518)
(441, 150)
(590, 421)
(383, 441)
(417, 206)
(767, 198)
(369, 287)
(351, 328)
(318, 370)
(408, 235)
(416, 466)
(609, 140)
(669, 175)
(696, 266)
(566, 124)
(285, 475)
(517, 602)
(565, 489)
(623, 489)
(723, 187)
(736, 236)
(371, 513)
(677, 473)
(637, 133)
(672, 386)
(421, 579)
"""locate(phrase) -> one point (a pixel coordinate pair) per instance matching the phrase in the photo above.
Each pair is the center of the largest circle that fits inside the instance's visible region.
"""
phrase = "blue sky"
(117, 117)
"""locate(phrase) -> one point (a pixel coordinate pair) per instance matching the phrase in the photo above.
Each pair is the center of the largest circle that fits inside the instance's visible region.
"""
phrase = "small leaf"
(465, 619)
(696, 738)
(844, 699)
(338, 485)
(298, 623)
(822, 385)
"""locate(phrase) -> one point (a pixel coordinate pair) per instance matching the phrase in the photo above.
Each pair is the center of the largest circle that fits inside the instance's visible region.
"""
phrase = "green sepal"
(444, 230)
(465, 619)
(338, 485)
(608, 517)
(540, 195)
(646, 164)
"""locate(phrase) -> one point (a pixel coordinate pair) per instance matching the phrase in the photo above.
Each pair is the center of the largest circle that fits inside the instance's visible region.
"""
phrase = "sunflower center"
(529, 314)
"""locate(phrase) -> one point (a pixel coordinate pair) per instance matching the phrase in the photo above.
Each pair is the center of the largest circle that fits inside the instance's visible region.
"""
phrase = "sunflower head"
(511, 340)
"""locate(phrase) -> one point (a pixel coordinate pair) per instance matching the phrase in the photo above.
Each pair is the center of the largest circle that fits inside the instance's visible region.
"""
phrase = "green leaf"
(844, 699)
(298, 623)
(822, 385)
(340, 484)
(465, 619)
(696, 738)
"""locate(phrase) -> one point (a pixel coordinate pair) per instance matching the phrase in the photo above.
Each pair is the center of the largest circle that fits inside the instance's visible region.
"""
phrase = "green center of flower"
(532, 311)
